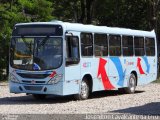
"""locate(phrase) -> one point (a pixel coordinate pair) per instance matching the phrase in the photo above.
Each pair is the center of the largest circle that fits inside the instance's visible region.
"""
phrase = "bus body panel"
(97, 81)
(89, 66)
(115, 70)
(72, 80)
(128, 65)
(149, 66)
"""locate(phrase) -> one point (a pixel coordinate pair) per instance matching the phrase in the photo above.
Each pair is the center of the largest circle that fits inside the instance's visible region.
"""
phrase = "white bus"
(63, 58)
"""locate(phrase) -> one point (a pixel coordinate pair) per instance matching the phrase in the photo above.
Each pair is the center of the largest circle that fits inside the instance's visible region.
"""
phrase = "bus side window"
(139, 46)
(127, 45)
(72, 50)
(114, 45)
(86, 44)
(150, 46)
(101, 45)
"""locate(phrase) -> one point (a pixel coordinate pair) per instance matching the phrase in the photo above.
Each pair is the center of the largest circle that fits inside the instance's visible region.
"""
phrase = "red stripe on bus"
(141, 71)
(101, 71)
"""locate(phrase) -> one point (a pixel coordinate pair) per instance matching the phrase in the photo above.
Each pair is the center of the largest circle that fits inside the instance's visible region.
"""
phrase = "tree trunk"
(83, 11)
(89, 4)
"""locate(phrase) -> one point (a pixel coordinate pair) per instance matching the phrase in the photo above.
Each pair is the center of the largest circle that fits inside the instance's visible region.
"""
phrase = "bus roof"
(96, 29)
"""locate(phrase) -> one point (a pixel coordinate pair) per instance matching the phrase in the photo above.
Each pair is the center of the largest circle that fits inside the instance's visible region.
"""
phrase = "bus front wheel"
(84, 90)
(131, 84)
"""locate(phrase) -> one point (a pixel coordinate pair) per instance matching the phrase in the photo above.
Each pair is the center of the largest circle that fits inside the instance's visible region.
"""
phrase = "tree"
(75, 10)
(13, 12)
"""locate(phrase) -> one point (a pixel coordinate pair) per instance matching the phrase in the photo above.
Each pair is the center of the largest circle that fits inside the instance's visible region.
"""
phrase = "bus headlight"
(13, 78)
(55, 79)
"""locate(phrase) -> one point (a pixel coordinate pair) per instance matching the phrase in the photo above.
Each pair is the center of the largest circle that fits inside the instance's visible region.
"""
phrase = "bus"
(61, 58)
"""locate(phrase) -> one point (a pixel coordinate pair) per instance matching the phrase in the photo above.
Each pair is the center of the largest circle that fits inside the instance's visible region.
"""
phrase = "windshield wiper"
(43, 41)
(26, 43)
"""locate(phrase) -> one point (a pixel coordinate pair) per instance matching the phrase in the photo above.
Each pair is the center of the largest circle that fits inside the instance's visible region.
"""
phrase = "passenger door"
(72, 64)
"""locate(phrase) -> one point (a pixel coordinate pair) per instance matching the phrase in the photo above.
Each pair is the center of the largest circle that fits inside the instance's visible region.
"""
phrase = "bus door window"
(72, 50)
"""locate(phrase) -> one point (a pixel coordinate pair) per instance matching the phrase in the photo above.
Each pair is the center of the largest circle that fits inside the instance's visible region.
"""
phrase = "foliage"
(19, 11)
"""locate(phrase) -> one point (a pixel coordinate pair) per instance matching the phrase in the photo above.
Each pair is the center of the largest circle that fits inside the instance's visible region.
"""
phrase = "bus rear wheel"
(131, 84)
(39, 96)
(84, 90)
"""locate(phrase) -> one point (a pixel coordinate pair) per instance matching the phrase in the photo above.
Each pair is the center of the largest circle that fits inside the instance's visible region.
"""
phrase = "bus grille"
(34, 88)
(34, 76)
(30, 82)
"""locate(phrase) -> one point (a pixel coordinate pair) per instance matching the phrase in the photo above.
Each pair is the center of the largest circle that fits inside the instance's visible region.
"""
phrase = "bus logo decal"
(86, 64)
(36, 67)
(147, 64)
(141, 71)
(101, 71)
(33, 82)
(119, 68)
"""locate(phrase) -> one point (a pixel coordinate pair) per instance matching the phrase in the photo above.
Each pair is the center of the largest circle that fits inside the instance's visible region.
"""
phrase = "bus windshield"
(36, 53)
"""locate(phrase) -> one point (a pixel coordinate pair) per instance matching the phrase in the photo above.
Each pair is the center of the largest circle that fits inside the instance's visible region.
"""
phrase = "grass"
(158, 80)
(3, 80)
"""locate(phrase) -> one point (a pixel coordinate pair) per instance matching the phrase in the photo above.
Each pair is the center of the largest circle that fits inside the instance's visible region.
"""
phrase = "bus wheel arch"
(131, 83)
(85, 88)
(90, 81)
(135, 74)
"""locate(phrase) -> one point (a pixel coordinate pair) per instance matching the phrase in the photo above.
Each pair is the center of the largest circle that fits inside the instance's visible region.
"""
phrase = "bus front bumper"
(55, 89)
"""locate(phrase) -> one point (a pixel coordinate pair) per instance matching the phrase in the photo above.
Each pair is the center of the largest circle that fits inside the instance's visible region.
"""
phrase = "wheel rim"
(132, 84)
(84, 89)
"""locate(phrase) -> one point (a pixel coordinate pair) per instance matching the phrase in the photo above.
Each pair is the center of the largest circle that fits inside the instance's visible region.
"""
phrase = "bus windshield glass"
(36, 53)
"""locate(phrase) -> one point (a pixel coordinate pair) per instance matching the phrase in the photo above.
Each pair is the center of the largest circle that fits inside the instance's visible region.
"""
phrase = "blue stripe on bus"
(147, 64)
(119, 68)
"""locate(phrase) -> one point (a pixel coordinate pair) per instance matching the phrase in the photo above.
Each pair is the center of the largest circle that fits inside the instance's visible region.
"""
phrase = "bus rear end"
(36, 59)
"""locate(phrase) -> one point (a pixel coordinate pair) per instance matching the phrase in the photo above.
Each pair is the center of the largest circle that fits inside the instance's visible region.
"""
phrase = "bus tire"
(39, 96)
(131, 84)
(84, 90)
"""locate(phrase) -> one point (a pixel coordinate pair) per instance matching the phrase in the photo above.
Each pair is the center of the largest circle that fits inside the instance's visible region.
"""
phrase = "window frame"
(128, 45)
(106, 45)
(150, 46)
(139, 47)
(75, 36)
(92, 40)
(119, 46)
